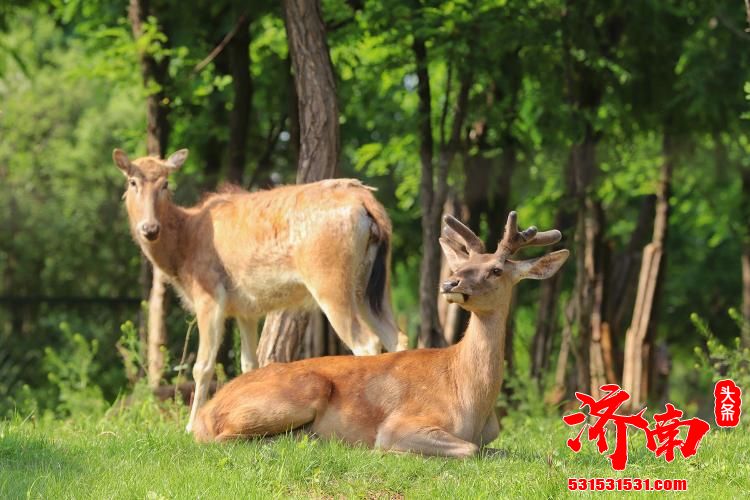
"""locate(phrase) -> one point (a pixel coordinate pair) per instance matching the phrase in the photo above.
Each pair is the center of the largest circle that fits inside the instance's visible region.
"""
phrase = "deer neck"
(164, 252)
(479, 360)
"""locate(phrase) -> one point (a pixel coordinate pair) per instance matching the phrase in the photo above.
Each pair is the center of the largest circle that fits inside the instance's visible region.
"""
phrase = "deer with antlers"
(389, 401)
(242, 255)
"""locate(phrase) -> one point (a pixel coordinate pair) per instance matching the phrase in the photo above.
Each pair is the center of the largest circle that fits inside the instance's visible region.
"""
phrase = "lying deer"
(428, 401)
(242, 255)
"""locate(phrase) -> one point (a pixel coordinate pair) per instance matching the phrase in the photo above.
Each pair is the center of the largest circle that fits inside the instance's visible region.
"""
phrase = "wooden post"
(633, 379)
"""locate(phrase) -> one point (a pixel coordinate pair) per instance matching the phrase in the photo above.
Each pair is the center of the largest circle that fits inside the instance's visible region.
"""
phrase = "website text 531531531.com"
(625, 484)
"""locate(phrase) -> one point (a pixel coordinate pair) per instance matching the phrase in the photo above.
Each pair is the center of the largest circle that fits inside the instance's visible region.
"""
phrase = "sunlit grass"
(145, 454)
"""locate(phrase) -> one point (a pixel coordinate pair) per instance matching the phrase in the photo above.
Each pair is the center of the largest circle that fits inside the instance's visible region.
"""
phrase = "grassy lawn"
(145, 454)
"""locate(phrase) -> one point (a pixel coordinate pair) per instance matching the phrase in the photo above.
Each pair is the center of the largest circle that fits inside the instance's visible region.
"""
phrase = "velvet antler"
(456, 233)
(514, 240)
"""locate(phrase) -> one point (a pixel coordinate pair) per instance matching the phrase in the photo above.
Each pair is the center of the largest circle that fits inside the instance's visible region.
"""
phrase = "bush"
(719, 361)
(70, 370)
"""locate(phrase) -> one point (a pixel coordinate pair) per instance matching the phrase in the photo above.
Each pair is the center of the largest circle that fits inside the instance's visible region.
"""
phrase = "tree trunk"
(484, 193)
(559, 390)
(214, 148)
(634, 373)
(588, 232)
(157, 133)
(546, 323)
(509, 352)
(745, 256)
(546, 319)
(608, 354)
(430, 334)
(585, 87)
(294, 128)
(316, 91)
(621, 290)
(157, 335)
(486, 198)
(238, 49)
(452, 318)
(433, 189)
(477, 180)
(499, 205)
(596, 352)
(318, 113)
(282, 335)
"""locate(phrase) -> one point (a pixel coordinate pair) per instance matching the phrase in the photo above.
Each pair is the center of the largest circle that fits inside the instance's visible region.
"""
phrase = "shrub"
(70, 370)
(720, 361)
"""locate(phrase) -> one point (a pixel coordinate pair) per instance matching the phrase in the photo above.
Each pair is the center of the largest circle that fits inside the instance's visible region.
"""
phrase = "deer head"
(147, 195)
(481, 281)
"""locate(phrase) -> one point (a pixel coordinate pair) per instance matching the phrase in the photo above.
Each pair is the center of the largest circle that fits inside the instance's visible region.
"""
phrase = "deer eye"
(132, 182)
(165, 186)
(496, 271)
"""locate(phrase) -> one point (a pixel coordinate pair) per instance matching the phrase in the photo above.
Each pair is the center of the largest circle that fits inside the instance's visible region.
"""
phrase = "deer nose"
(449, 285)
(149, 230)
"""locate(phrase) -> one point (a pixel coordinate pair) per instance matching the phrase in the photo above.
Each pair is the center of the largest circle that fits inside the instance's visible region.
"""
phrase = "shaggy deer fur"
(429, 401)
(242, 255)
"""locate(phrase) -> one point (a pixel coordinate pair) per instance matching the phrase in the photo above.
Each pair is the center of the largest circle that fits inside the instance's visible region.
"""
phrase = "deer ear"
(454, 254)
(177, 158)
(122, 161)
(540, 268)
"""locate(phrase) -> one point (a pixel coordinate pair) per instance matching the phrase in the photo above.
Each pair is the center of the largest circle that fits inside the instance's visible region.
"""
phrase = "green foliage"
(523, 397)
(70, 370)
(71, 90)
(130, 349)
(59, 200)
(719, 361)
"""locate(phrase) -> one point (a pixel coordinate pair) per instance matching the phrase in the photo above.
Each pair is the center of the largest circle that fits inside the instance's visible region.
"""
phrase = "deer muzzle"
(447, 289)
(149, 230)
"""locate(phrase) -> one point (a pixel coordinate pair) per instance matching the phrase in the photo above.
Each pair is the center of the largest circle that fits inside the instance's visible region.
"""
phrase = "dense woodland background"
(622, 123)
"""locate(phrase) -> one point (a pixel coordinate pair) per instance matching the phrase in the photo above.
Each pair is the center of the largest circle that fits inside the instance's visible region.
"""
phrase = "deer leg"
(336, 280)
(491, 429)
(425, 440)
(360, 340)
(340, 310)
(210, 314)
(383, 326)
(249, 343)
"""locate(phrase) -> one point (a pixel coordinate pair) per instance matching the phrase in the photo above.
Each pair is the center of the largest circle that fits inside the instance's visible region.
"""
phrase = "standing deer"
(242, 255)
(390, 401)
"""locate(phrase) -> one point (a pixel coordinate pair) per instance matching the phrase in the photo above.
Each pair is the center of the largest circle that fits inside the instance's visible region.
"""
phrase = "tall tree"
(585, 94)
(315, 85)
(433, 186)
(318, 113)
(549, 296)
(585, 87)
(745, 257)
(154, 75)
(238, 49)
(656, 108)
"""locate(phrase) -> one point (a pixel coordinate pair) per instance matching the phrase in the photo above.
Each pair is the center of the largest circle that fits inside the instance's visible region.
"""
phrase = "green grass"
(146, 454)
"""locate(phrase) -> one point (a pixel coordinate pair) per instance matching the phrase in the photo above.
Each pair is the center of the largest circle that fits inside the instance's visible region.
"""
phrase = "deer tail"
(379, 274)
